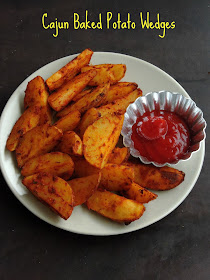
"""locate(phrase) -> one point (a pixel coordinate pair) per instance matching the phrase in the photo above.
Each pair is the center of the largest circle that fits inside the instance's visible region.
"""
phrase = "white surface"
(149, 78)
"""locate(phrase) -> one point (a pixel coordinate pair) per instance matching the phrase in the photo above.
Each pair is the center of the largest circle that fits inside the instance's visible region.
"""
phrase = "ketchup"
(161, 136)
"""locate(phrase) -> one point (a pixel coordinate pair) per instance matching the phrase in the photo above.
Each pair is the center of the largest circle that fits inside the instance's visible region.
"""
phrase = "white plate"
(149, 78)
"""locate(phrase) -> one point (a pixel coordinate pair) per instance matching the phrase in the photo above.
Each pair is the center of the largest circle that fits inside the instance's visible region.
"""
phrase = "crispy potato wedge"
(116, 177)
(52, 191)
(61, 98)
(37, 94)
(115, 207)
(55, 163)
(138, 193)
(92, 99)
(69, 121)
(119, 90)
(70, 70)
(111, 73)
(70, 144)
(119, 155)
(82, 93)
(28, 120)
(156, 178)
(100, 138)
(82, 168)
(38, 141)
(84, 187)
(118, 106)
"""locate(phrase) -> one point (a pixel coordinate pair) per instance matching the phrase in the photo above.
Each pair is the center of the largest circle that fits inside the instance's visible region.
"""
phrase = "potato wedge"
(70, 144)
(82, 93)
(116, 177)
(100, 138)
(55, 163)
(69, 121)
(70, 70)
(84, 187)
(115, 207)
(119, 155)
(37, 94)
(111, 73)
(156, 178)
(61, 98)
(138, 193)
(92, 99)
(82, 168)
(38, 141)
(28, 120)
(119, 90)
(118, 106)
(52, 191)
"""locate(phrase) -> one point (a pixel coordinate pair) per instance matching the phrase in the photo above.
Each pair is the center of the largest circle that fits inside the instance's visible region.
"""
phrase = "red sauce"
(161, 136)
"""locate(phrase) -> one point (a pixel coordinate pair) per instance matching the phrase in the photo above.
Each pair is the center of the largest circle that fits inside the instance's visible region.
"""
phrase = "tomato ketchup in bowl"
(163, 127)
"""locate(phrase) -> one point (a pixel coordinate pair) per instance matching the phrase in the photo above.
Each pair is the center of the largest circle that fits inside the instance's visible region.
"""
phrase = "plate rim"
(22, 200)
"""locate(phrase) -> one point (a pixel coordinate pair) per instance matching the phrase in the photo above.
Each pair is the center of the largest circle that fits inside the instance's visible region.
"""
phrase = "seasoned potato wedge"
(70, 70)
(138, 193)
(28, 120)
(69, 121)
(92, 99)
(119, 90)
(116, 177)
(119, 155)
(82, 168)
(100, 138)
(52, 191)
(55, 163)
(111, 73)
(115, 207)
(70, 144)
(37, 94)
(118, 106)
(61, 98)
(84, 187)
(156, 178)
(38, 141)
(82, 93)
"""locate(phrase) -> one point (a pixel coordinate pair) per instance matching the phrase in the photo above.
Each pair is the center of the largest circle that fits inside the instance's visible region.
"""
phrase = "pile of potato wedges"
(66, 143)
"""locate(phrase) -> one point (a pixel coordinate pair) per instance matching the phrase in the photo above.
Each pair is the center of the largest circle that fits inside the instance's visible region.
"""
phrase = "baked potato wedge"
(55, 163)
(37, 94)
(119, 155)
(138, 193)
(52, 191)
(28, 120)
(70, 144)
(115, 207)
(111, 73)
(84, 187)
(156, 178)
(38, 141)
(82, 93)
(118, 106)
(61, 97)
(69, 71)
(69, 121)
(92, 99)
(100, 138)
(82, 168)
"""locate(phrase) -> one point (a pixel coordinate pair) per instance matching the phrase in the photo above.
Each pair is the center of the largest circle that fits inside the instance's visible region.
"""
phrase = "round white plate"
(149, 78)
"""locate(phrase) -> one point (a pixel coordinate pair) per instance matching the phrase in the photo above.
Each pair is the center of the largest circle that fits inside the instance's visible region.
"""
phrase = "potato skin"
(100, 138)
(70, 70)
(69, 121)
(60, 98)
(115, 207)
(28, 120)
(55, 163)
(52, 191)
(38, 141)
(84, 187)
(156, 178)
(70, 144)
